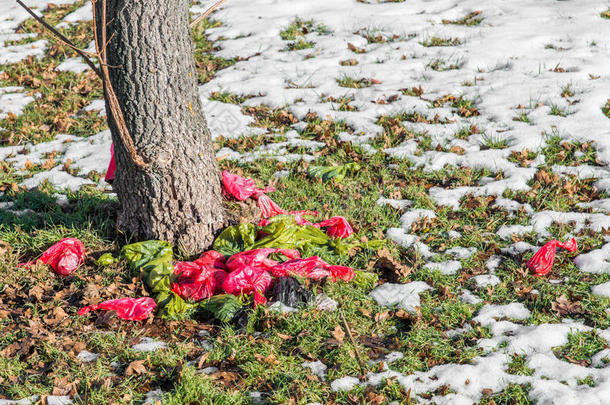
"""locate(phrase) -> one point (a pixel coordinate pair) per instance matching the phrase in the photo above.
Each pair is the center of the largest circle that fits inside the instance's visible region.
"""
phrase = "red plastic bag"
(131, 309)
(542, 262)
(341, 273)
(212, 258)
(336, 227)
(313, 268)
(64, 257)
(258, 258)
(248, 280)
(195, 282)
(268, 207)
(111, 166)
(240, 187)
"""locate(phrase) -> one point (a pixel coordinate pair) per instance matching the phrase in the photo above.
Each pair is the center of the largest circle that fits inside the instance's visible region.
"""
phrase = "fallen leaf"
(136, 367)
(563, 306)
(338, 334)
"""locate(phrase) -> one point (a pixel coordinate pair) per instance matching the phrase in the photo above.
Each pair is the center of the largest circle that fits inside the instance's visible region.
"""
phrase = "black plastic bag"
(290, 292)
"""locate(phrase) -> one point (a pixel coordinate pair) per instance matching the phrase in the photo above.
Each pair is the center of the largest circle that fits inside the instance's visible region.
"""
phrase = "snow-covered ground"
(516, 62)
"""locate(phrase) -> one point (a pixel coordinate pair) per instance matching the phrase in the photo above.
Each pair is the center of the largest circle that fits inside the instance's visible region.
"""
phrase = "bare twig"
(113, 101)
(62, 38)
(351, 338)
(207, 12)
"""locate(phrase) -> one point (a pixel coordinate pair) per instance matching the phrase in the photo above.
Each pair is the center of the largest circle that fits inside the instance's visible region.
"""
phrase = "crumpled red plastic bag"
(131, 309)
(241, 187)
(268, 207)
(336, 227)
(64, 257)
(314, 268)
(258, 258)
(215, 262)
(542, 262)
(212, 258)
(248, 280)
(195, 282)
(111, 166)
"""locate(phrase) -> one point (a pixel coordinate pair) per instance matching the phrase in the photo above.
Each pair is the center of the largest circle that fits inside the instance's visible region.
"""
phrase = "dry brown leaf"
(36, 292)
(563, 306)
(380, 316)
(270, 359)
(387, 263)
(136, 367)
(338, 334)
(284, 337)
(5, 248)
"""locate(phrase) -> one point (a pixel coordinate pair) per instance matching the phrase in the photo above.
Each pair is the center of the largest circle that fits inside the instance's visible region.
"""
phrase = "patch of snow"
(447, 268)
(324, 303)
(346, 383)
(25, 401)
(97, 105)
(484, 280)
(154, 396)
(87, 357)
(280, 307)
(396, 204)
(602, 290)
(59, 400)
(514, 310)
(507, 231)
(13, 100)
(461, 252)
(317, 367)
(405, 296)
(469, 298)
(149, 345)
(596, 261)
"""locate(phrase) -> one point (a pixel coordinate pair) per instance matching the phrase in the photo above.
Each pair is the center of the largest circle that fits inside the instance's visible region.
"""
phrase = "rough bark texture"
(178, 197)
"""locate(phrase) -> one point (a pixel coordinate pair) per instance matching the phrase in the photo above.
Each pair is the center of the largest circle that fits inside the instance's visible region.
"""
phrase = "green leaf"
(223, 306)
(235, 239)
(332, 172)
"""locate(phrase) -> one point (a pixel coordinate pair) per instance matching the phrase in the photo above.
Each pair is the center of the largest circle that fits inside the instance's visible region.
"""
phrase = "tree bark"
(177, 197)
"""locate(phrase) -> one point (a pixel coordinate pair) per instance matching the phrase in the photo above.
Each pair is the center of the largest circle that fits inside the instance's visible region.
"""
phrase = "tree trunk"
(177, 197)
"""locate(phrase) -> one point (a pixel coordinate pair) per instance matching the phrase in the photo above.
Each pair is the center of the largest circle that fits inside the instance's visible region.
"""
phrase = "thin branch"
(62, 38)
(351, 338)
(113, 101)
(207, 12)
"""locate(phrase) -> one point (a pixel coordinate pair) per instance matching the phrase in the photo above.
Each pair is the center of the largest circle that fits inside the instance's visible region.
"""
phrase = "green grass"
(558, 111)
(581, 346)
(522, 117)
(438, 41)
(229, 98)
(298, 30)
(606, 109)
(513, 394)
(518, 366)
(469, 20)
(350, 82)
(441, 65)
